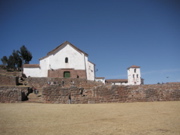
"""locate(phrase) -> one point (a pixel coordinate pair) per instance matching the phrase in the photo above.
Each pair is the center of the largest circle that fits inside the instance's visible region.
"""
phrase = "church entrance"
(67, 74)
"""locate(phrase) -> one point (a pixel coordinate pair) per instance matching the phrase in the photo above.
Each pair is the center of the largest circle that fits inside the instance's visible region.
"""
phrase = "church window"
(135, 70)
(66, 60)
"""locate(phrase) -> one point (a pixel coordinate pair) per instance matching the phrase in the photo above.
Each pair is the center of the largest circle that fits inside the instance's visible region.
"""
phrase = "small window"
(66, 60)
(135, 70)
(137, 75)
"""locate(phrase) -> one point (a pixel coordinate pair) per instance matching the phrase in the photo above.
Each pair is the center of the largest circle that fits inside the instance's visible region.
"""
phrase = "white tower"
(134, 75)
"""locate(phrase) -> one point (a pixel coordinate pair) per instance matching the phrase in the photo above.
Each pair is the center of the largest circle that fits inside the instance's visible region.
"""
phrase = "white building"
(100, 79)
(134, 77)
(65, 61)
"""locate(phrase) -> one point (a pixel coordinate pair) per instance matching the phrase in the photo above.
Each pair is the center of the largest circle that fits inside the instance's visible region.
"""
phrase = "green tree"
(11, 62)
(25, 55)
(4, 60)
(17, 59)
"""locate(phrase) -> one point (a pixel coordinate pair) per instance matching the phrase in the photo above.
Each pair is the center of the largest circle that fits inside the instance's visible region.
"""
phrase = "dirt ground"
(147, 118)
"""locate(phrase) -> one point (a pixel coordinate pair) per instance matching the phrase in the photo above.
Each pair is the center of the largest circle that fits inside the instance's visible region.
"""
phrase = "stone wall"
(140, 93)
(12, 94)
(110, 94)
(83, 91)
(74, 95)
(68, 82)
(7, 80)
(59, 73)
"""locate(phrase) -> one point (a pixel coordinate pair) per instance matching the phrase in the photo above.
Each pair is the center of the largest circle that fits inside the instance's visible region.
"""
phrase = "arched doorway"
(67, 74)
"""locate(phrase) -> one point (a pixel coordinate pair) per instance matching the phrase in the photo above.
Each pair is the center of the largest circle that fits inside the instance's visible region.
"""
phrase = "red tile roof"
(134, 66)
(100, 77)
(31, 66)
(116, 80)
(62, 46)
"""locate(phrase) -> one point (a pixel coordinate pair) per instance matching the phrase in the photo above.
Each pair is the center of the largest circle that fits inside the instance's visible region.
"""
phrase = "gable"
(61, 46)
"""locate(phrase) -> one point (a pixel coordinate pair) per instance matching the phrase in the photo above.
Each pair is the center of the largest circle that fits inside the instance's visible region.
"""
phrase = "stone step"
(34, 98)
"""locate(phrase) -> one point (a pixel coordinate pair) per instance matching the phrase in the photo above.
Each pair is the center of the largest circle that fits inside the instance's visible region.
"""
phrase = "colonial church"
(65, 61)
(68, 61)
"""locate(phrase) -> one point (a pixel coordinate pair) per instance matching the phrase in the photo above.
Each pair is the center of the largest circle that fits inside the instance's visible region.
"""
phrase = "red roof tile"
(31, 66)
(116, 80)
(134, 66)
(100, 77)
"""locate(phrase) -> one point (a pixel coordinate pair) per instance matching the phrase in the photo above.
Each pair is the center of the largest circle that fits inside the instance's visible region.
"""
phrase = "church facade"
(65, 61)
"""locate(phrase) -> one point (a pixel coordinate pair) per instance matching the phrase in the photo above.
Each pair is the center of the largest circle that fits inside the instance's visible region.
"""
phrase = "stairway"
(35, 98)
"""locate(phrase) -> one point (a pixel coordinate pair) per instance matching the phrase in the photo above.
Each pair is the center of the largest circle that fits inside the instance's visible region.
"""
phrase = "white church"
(68, 61)
(65, 61)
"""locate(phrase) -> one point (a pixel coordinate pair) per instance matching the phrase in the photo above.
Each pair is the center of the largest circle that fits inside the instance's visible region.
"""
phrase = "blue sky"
(115, 33)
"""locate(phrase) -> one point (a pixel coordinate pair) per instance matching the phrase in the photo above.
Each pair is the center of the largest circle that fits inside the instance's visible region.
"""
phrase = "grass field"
(148, 118)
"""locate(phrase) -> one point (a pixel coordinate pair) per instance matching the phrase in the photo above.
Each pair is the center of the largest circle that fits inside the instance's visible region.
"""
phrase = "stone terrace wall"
(10, 73)
(56, 94)
(110, 94)
(7, 80)
(165, 92)
(44, 82)
(12, 94)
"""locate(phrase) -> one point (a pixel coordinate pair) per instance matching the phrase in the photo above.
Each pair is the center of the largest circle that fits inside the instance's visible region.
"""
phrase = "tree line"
(17, 59)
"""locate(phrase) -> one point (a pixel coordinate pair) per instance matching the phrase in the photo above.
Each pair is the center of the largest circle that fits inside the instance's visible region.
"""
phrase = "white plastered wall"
(44, 65)
(134, 76)
(90, 71)
(75, 59)
(32, 72)
(100, 80)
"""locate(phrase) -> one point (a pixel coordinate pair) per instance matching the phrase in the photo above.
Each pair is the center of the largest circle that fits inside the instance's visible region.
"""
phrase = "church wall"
(75, 59)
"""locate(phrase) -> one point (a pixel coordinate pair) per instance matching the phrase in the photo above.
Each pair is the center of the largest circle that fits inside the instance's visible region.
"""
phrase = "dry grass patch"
(148, 118)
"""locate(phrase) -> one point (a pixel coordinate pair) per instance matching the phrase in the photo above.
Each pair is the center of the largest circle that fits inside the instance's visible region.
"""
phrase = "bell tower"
(134, 75)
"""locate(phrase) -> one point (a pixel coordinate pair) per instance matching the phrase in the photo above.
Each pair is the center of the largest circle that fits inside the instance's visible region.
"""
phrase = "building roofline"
(31, 66)
(91, 62)
(100, 78)
(133, 66)
(116, 80)
(55, 50)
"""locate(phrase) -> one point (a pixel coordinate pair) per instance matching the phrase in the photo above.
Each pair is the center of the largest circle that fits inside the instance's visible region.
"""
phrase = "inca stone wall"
(68, 82)
(7, 80)
(82, 91)
(110, 94)
(12, 94)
